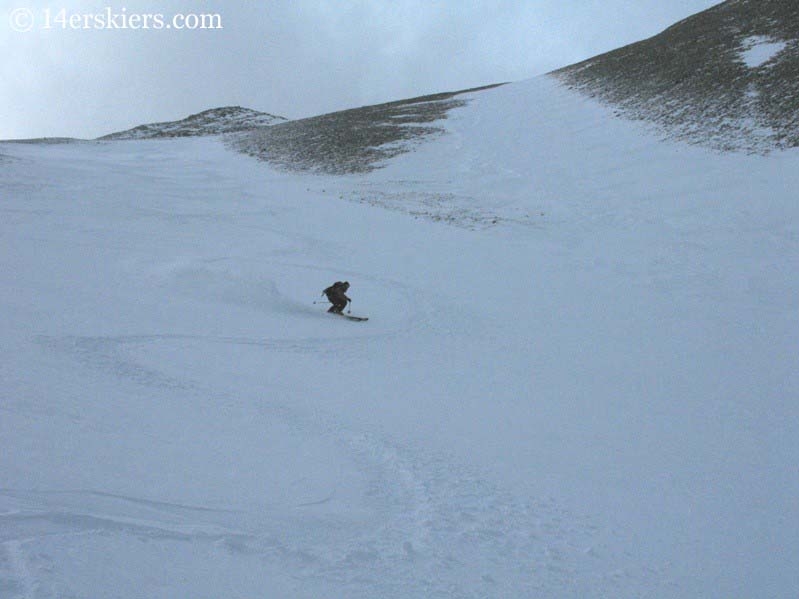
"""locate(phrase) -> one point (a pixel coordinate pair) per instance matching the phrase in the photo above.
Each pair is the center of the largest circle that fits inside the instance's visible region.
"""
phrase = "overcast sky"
(86, 68)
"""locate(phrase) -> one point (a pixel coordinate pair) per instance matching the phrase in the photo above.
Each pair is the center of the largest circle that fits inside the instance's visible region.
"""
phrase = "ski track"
(432, 532)
(434, 528)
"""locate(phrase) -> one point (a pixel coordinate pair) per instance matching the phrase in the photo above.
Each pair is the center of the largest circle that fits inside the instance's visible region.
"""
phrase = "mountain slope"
(586, 391)
(727, 78)
(352, 141)
(702, 81)
(209, 122)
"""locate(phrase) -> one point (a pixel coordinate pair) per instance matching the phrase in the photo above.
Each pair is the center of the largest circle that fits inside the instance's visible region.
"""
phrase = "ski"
(351, 317)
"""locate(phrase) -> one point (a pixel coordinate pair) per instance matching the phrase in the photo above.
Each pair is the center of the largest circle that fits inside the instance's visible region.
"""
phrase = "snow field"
(576, 380)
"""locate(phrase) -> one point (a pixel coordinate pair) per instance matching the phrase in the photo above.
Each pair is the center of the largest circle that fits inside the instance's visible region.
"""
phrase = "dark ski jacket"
(337, 293)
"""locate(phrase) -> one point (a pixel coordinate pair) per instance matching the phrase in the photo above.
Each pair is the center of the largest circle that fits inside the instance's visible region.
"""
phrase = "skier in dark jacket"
(337, 295)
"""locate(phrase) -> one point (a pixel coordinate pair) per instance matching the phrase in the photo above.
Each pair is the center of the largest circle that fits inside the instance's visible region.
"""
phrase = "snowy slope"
(578, 378)
(351, 141)
(726, 78)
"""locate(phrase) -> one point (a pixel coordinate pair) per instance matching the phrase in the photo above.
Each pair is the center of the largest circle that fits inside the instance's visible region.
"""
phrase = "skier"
(337, 295)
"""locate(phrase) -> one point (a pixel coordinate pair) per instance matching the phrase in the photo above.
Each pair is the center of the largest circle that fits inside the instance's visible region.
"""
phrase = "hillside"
(216, 121)
(727, 78)
(352, 141)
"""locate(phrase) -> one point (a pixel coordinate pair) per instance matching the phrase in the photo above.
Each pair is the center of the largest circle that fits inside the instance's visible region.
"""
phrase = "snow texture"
(578, 379)
(758, 50)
